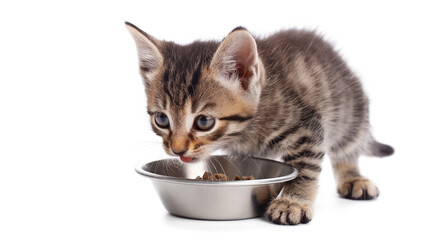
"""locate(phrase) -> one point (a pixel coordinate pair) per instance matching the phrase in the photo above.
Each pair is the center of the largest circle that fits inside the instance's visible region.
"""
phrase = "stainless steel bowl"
(184, 196)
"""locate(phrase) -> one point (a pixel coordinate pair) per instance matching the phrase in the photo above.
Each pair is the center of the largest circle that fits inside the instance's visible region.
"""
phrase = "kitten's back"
(303, 62)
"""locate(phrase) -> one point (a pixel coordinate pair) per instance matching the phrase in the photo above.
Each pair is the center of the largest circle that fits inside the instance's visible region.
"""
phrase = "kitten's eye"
(161, 120)
(204, 123)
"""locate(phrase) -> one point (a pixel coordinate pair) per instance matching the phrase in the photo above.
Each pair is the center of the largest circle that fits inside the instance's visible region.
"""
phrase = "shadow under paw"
(286, 212)
(358, 188)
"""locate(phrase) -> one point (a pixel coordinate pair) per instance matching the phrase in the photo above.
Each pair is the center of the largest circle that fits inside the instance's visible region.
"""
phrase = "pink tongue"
(186, 159)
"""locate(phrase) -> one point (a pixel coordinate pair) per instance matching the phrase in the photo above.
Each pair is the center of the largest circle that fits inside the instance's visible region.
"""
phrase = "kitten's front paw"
(287, 212)
(358, 188)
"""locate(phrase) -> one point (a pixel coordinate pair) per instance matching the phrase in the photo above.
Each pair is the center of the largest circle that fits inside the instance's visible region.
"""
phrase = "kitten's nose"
(179, 143)
(179, 153)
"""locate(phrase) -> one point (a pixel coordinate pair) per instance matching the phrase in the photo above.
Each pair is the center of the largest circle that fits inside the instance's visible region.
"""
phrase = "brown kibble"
(222, 177)
(208, 176)
(251, 177)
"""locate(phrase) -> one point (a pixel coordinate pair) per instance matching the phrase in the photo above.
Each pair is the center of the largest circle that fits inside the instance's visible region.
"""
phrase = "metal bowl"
(184, 196)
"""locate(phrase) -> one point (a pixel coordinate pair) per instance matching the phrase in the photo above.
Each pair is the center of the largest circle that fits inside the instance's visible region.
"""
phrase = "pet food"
(222, 177)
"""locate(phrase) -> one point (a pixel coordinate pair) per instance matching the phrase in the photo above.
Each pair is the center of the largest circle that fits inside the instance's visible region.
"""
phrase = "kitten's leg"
(350, 184)
(294, 204)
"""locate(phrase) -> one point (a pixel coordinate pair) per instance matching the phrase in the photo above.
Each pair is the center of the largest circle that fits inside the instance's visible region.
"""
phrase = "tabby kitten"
(289, 95)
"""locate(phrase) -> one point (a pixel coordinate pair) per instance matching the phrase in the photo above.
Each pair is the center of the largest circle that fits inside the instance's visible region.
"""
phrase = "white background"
(73, 124)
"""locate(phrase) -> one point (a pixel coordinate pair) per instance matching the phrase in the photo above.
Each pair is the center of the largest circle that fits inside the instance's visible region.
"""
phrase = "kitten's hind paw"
(287, 212)
(358, 188)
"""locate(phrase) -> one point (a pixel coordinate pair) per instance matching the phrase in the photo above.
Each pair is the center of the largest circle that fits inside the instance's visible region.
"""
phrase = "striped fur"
(289, 95)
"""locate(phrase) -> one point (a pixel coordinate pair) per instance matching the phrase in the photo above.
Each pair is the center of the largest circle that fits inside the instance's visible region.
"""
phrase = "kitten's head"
(202, 95)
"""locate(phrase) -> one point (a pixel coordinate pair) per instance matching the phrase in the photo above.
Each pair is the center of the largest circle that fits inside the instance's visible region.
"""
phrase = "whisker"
(217, 160)
(219, 188)
(231, 162)
(258, 167)
(212, 164)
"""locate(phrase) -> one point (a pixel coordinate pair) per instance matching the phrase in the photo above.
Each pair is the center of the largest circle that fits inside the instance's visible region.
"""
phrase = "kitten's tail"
(377, 149)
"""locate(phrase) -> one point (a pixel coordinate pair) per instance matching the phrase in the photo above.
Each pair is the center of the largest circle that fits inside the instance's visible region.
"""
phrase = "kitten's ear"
(150, 58)
(237, 57)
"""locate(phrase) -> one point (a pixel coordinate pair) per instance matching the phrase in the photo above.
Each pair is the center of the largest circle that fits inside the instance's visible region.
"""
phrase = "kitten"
(289, 94)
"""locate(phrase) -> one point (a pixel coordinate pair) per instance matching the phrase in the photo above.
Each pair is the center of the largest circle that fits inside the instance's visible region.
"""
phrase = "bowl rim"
(139, 169)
